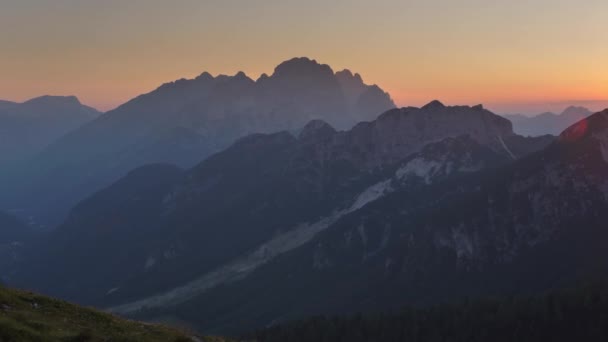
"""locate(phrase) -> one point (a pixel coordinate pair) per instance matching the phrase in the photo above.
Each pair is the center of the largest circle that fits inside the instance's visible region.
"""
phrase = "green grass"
(28, 317)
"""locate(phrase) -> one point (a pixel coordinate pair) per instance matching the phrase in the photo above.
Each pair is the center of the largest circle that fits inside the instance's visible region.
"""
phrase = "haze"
(524, 56)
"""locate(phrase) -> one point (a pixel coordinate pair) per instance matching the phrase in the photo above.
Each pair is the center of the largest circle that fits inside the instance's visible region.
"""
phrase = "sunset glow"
(509, 55)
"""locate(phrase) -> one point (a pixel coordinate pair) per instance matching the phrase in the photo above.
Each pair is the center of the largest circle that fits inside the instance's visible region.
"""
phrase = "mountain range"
(537, 223)
(547, 123)
(182, 123)
(228, 205)
(163, 236)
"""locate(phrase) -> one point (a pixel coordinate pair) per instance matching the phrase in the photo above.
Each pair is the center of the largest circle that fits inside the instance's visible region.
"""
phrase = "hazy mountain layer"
(547, 123)
(27, 128)
(182, 123)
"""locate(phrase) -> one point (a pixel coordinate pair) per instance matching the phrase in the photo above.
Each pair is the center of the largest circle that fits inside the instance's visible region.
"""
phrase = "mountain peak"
(204, 76)
(4, 102)
(7, 104)
(316, 129)
(435, 104)
(595, 124)
(241, 74)
(49, 100)
(301, 66)
(345, 73)
(576, 111)
(240, 77)
(263, 77)
(348, 75)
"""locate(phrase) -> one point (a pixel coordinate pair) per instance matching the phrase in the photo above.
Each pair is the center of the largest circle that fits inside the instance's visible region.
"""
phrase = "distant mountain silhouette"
(547, 123)
(27, 128)
(185, 121)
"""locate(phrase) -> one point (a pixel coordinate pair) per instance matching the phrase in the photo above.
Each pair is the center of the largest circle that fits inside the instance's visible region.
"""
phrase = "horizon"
(106, 53)
(505, 108)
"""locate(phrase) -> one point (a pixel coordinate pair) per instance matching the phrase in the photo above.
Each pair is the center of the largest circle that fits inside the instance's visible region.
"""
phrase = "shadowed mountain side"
(534, 225)
(265, 195)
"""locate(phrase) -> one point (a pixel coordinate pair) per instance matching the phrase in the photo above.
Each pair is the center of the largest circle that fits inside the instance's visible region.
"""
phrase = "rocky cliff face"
(404, 131)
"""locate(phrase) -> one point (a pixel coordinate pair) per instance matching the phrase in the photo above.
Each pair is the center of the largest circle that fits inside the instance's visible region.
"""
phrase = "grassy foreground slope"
(27, 317)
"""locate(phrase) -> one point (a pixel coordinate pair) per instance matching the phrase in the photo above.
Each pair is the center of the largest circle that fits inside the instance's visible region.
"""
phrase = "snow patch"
(458, 240)
(419, 167)
(293, 238)
(110, 291)
(371, 194)
(150, 262)
(502, 142)
(471, 167)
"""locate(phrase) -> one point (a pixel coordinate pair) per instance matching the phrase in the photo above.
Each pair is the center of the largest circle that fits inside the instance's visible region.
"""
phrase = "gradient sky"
(516, 55)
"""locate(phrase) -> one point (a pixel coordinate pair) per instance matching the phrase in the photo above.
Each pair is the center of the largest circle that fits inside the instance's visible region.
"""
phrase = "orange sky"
(512, 56)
